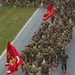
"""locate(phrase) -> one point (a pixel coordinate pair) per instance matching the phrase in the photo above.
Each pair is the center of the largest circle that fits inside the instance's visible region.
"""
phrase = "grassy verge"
(12, 19)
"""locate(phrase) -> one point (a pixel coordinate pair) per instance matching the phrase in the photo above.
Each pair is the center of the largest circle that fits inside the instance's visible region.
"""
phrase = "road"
(25, 36)
(71, 61)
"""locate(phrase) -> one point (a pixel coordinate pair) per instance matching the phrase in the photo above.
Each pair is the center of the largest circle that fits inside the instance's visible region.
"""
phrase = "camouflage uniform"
(34, 71)
(64, 58)
(39, 59)
(45, 69)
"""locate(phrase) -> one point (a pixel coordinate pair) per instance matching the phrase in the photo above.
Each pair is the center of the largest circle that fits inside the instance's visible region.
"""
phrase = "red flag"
(17, 56)
(13, 59)
(48, 13)
(11, 69)
(12, 53)
(8, 53)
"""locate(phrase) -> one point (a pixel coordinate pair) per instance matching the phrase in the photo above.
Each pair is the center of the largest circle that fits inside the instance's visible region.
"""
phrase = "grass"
(12, 19)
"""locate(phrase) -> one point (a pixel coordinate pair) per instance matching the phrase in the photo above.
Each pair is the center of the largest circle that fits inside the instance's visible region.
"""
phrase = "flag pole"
(26, 68)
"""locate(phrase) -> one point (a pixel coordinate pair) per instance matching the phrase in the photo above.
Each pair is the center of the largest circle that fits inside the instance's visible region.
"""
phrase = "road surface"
(71, 61)
(24, 37)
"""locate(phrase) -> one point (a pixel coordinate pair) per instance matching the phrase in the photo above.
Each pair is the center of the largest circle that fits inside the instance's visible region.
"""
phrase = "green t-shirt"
(52, 54)
(46, 54)
(23, 56)
(26, 52)
(45, 68)
(39, 59)
(64, 57)
(34, 71)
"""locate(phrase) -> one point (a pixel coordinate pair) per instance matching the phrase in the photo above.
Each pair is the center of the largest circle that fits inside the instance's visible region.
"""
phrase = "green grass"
(12, 19)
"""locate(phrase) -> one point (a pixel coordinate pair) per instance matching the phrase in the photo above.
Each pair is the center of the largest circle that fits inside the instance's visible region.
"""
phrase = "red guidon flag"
(12, 67)
(17, 56)
(8, 53)
(48, 13)
(13, 59)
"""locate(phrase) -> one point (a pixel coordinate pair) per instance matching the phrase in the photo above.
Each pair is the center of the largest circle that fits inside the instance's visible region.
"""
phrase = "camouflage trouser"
(64, 65)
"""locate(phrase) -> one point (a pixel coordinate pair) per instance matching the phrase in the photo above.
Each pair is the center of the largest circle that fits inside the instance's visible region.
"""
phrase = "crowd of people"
(27, 3)
(47, 47)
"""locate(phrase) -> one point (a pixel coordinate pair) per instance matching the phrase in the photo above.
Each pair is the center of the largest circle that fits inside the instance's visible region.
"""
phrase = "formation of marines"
(47, 47)
(27, 3)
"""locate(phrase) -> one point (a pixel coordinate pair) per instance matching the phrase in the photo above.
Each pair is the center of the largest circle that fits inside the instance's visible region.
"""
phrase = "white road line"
(27, 23)
(20, 31)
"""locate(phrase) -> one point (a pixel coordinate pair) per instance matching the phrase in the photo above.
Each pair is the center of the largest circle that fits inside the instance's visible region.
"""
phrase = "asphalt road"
(25, 36)
(71, 61)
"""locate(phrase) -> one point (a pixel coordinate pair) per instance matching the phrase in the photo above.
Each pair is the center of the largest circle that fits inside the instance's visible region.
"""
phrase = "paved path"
(71, 52)
(71, 61)
(24, 37)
